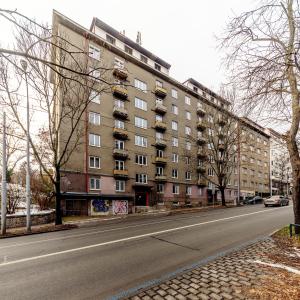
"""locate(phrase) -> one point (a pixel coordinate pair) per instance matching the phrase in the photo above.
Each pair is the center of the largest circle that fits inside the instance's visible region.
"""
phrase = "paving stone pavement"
(222, 278)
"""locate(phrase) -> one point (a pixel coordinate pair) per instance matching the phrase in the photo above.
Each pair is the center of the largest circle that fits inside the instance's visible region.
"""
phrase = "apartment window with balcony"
(95, 183)
(159, 153)
(94, 118)
(119, 145)
(94, 140)
(120, 185)
(175, 189)
(94, 162)
(174, 173)
(188, 115)
(174, 142)
(174, 94)
(157, 67)
(94, 97)
(159, 135)
(174, 125)
(189, 190)
(210, 172)
(140, 141)
(94, 52)
(110, 39)
(210, 146)
(158, 83)
(160, 187)
(188, 130)
(159, 171)
(140, 122)
(187, 160)
(174, 109)
(210, 118)
(158, 118)
(141, 104)
(187, 100)
(119, 103)
(188, 146)
(128, 49)
(140, 85)
(119, 165)
(141, 178)
(141, 159)
(175, 157)
(119, 63)
(144, 59)
(119, 124)
(188, 175)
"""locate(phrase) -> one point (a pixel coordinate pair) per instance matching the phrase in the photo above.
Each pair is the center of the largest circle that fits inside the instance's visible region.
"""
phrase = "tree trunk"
(222, 190)
(58, 214)
(296, 202)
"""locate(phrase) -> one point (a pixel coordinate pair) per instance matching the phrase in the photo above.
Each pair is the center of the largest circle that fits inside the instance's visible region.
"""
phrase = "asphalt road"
(102, 261)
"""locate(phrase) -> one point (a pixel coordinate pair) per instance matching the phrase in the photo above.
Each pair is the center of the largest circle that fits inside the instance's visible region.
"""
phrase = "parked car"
(276, 200)
(255, 200)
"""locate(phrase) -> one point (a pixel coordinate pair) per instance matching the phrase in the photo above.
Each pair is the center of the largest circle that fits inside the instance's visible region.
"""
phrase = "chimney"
(139, 38)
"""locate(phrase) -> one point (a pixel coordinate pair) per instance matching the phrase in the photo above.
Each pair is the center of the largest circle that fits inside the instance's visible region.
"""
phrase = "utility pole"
(4, 168)
(28, 200)
(238, 166)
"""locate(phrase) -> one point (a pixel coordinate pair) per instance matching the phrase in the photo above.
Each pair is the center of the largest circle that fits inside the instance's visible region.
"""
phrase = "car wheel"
(266, 205)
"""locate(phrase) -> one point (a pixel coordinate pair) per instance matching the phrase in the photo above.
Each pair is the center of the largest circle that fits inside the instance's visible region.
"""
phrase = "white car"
(276, 200)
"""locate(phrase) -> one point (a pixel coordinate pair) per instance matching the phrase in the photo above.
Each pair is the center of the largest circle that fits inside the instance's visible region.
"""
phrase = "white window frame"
(140, 122)
(175, 173)
(140, 85)
(94, 139)
(174, 125)
(174, 142)
(140, 141)
(175, 157)
(94, 118)
(120, 185)
(141, 160)
(187, 100)
(94, 159)
(95, 183)
(175, 189)
(174, 109)
(94, 97)
(94, 52)
(140, 104)
(174, 93)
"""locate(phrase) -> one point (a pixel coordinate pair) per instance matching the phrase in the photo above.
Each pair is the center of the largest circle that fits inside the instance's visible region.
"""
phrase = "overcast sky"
(180, 32)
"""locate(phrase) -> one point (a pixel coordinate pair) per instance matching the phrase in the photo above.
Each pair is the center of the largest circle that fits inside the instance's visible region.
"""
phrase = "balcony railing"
(159, 125)
(202, 154)
(201, 125)
(201, 140)
(160, 108)
(201, 169)
(200, 111)
(120, 112)
(120, 133)
(161, 143)
(160, 160)
(160, 91)
(159, 177)
(120, 91)
(202, 182)
(121, 174)
(120, 72)
(221, 146)
(120, 153)
(222, 121)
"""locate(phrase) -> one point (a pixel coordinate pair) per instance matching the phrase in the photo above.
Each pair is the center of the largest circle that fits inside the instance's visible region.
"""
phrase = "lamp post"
(28, 200)
(3, 187)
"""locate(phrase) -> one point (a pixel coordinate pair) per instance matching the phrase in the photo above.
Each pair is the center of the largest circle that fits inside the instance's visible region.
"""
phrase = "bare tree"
(263, 51)
(63, 81)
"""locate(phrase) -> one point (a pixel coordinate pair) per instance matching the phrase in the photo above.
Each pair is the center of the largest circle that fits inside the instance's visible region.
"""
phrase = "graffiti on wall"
(100, 206)
(120, 207)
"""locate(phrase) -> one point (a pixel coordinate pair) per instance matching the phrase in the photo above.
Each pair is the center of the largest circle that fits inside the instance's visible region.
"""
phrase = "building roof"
(255, 126)
(98, 23)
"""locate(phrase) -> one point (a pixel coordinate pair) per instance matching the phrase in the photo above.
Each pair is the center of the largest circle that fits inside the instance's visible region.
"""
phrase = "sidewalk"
(239, 275)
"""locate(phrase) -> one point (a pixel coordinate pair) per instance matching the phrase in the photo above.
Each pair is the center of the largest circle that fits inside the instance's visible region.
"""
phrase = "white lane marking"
(129, 238)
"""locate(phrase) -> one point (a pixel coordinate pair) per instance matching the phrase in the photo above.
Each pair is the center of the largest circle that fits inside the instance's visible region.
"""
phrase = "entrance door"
(141, 199)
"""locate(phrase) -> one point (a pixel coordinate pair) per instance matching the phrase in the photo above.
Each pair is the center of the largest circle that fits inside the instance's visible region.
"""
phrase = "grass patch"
(284, 235)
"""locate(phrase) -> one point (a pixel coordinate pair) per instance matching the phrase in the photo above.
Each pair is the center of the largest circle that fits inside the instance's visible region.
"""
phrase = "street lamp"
(28, 202)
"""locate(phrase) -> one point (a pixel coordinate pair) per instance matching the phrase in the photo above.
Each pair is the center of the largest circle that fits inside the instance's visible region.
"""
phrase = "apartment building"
(146, 143)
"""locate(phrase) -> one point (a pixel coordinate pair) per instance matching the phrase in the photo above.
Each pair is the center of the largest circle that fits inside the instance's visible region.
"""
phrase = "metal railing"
(291, 228)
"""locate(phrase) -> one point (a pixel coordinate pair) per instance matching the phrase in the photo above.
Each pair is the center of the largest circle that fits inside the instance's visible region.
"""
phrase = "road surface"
(101, 261)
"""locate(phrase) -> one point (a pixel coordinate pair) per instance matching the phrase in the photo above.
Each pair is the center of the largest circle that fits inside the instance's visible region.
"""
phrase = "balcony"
(120, 112)
(160, 160)
(202, 182)
(201, 112)
(201, 125)
(122, 174)
(120, 72)
(222, 121)
(160, 91)
(221, 146)
(159, 177)
(201, 169)
(202, 154)
(120, 153)
(160, 143)
(120, 91)
(120, 133)
(160, 108)
(221, 135)
(201, 140)
(159, 125)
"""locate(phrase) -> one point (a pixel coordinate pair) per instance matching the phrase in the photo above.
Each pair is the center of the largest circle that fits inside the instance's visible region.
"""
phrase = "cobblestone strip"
(220, 279)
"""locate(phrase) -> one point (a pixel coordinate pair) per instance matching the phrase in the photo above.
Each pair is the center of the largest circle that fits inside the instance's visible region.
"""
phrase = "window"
(110, 39)
(210, 119)
(140, 141)
(174, 142)
(159, 135)
(140, 122)
(119, 124)
(210, 132)
(210, 172)
(174, 109)
(120, 185)
(141, 178)
(175, 157)
(140, 85)
(157, 67)
(128, 49)
(159, 153)
(258, 151)
(188, 145)
(141, 104)
(174, 125)
(119, 145)
(188, 175)
(174, 94)
(94, 118)
(188, 115)
(160, 187)
(119, 103)
(158, 83)
(119, 165)
(158, 118)
(195, 89)
(94, 140)
(94, 73)
(119, 63)
(188, 130)
(94, 97)
(94, 162)
(210, 146)
(187, 160)
(159, 171)
(144, 59)
(141, 159)
(265, 154)
(175, 189)
(189, 190)
(94, 52)
(174, 173)
(187, 100)
(95, 183)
